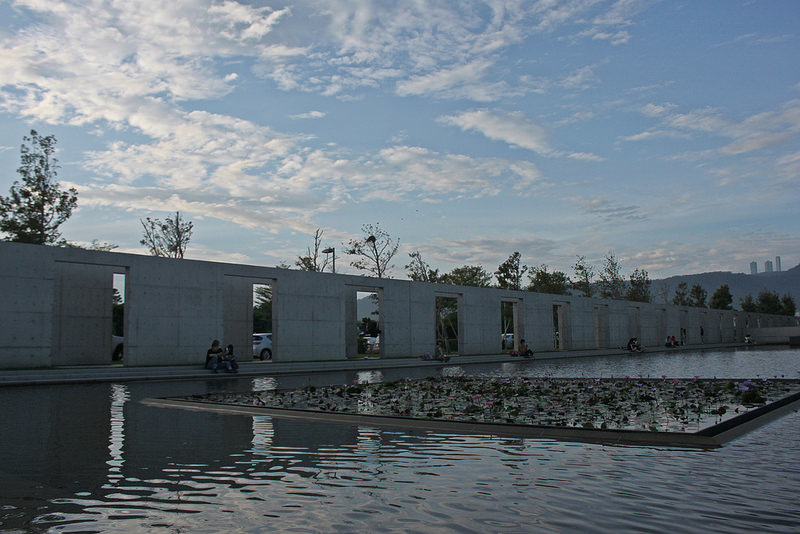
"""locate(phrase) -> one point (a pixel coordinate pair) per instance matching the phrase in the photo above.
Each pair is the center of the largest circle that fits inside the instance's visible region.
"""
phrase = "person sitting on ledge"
(215, 356)
(229, 358)
(439, 354)
(748, 339)
(524, 351)
(634, 345)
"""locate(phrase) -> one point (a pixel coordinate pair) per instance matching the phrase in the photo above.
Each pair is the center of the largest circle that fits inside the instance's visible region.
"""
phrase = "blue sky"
(666, 132)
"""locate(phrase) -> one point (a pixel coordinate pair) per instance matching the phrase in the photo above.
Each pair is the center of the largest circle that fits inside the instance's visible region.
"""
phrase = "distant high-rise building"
(753, 267)
(767, 266)
(778, 263)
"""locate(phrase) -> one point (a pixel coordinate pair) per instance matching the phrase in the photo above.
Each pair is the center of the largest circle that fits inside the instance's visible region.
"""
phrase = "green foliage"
(721, 299)
(748, 304)
(35, 209)
(168, 238)
(555, 283)
(681, 297)
(769, 302)
(419, 270)
(262, 309)
(611, 282)
(697, 296)
(468, 275)
(584, 274)
(368, 327)
(509, 273)
(639, 288)
(447, 323)
(117, 314)
(787, 303)
(374, 251)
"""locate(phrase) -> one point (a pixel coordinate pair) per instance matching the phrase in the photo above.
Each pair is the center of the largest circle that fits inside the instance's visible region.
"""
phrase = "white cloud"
(309, 115)
(754, 133)
(513, 128)
(585, 156)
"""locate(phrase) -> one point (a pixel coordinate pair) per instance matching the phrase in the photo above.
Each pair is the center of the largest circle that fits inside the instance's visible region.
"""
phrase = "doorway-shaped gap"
(368, 312)
(558, 321)
(118, 318)
(447, 324)
(508, 321)
(262, 322)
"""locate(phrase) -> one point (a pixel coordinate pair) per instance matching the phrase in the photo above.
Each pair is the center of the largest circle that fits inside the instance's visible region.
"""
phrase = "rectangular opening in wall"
(508, 320)
(262, 322)
(447, 324)
(558, 319)
(118, 318)
(368, 312)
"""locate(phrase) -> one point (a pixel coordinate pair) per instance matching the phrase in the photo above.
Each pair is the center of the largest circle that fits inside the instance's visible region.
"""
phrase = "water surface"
(92, 458)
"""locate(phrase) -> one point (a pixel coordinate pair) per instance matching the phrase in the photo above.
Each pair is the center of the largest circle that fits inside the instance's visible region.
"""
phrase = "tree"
(681, 297)
(721, 299)
(167, 239)
(697, 296)
(769, 302)
(419, 270)
(611, 282)
(639, 288)
(36, 208)
(748, 304)
(555, 283)
(789, 308)
(312, 261)
(509, 273)
(468, 275)
(584, 273)
(375, 250)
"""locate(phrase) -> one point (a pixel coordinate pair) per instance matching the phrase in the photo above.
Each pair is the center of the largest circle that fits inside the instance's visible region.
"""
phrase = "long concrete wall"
(55, 309)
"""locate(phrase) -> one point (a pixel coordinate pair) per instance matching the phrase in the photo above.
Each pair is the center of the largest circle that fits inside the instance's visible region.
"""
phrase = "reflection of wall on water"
(55, 436)
(160, 438)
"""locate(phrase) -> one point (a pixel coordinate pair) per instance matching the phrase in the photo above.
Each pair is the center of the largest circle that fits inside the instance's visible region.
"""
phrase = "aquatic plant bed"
(641, 404)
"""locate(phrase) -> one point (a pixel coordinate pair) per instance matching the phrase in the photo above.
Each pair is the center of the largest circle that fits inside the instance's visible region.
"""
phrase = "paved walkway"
(121, 373)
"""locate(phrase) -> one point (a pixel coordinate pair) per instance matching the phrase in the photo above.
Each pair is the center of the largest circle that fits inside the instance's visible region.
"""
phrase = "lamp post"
(331, 250)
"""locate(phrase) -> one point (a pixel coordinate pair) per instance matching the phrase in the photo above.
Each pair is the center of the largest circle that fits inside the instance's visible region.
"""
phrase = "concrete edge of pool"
(711, 437)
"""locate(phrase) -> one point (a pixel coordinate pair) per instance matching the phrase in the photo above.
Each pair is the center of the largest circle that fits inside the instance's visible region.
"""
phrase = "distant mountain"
(740, 284)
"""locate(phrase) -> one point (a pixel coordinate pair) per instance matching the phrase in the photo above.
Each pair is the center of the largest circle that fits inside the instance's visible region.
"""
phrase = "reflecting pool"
(93, 458)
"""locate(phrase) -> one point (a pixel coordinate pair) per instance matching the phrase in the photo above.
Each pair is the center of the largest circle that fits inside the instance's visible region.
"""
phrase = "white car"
(262, 346)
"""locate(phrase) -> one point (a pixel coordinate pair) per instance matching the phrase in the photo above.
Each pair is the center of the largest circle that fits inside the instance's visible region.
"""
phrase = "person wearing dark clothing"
(214, 356)
(230, 359)
(524, 351)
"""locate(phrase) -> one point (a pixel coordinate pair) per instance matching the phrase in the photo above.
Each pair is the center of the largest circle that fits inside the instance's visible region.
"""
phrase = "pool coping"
(711, 437)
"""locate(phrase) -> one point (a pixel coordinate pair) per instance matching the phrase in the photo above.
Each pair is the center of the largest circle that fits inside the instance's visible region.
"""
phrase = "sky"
(665, 132)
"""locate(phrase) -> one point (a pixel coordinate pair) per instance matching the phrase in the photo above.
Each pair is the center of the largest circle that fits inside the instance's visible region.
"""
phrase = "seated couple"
(634, 345)
(218, 357)
(438, 355)
(523, 351)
